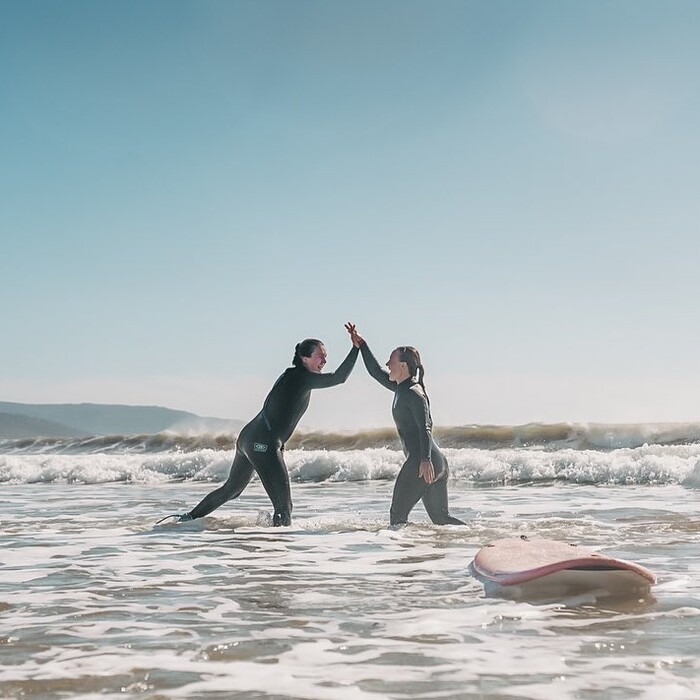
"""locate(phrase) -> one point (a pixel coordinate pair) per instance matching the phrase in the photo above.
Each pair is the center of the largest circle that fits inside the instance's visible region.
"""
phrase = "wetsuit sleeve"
(420, 412)
(375, 371)
(321, 381)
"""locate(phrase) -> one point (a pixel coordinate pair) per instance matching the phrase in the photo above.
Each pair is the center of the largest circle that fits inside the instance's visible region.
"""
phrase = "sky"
(188, 188)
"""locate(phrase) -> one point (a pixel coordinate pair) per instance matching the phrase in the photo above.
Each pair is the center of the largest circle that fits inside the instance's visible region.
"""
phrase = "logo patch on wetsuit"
(259, 447)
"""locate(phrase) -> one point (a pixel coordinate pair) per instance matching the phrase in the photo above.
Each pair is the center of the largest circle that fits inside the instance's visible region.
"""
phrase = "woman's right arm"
(375, 371)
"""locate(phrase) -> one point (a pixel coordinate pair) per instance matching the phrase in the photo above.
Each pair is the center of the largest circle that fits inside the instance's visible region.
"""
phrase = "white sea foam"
(649, 464)
(97, 601)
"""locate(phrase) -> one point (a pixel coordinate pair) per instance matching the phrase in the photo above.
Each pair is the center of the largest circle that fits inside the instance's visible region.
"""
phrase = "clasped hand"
(355, 337)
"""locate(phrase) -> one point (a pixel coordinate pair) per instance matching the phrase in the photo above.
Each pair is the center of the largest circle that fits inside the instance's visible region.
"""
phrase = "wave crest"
(550, 436)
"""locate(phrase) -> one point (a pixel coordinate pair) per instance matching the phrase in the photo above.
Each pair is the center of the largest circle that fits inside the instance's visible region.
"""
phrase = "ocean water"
(98, 601)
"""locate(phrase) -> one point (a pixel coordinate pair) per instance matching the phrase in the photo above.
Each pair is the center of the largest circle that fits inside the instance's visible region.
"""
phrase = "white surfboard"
(522, 566)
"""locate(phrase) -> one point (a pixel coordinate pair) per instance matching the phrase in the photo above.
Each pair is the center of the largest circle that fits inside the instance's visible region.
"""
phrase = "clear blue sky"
(188, 188)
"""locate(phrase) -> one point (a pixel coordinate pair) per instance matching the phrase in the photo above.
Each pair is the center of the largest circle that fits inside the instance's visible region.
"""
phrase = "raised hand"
(355, 337)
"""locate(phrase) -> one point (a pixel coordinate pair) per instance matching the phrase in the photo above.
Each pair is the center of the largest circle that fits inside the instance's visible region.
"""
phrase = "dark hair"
(411, 356)
(305, 349)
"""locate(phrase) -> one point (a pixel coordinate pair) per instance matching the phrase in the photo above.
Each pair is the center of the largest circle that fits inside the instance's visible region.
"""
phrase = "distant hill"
(19, 420)
(14, 425)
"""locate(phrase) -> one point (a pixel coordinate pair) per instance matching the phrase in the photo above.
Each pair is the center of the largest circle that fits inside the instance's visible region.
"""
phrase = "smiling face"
(398, 371)
(317, 360)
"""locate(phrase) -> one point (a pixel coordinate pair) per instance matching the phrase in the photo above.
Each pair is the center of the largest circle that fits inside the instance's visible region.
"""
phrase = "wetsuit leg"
(273, 474)
(435, 502)
(435, 496)
(238, 478)
(408, 490)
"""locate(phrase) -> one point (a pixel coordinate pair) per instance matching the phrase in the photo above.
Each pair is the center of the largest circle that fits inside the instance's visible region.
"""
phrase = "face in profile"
(397, 369)
(317, 360)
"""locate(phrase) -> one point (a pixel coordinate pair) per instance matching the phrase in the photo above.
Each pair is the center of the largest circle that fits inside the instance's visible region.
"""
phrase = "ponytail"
(411, 357)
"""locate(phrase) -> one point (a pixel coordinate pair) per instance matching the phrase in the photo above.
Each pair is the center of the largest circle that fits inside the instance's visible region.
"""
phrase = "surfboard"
(551, 567)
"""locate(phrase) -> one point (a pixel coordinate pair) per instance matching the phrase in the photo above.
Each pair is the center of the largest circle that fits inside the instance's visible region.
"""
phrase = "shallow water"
(98, 601)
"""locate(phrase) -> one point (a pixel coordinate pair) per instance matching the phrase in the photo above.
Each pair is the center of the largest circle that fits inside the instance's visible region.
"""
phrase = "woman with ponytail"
(260, 444)
(423, 475)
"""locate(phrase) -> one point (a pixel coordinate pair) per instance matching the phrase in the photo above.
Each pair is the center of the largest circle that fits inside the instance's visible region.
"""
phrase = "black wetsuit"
(260, 443)
(411, 412)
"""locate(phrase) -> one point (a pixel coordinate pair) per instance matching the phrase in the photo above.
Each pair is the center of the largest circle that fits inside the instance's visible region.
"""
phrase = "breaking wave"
(549, 436)
(646, 465)
(479, 455)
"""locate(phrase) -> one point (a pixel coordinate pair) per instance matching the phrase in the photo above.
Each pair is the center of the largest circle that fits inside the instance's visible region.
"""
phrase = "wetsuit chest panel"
(412, 418)
(289, 397)
(287, 402)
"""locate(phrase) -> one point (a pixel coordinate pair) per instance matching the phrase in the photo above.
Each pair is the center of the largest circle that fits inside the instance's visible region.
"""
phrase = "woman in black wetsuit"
(423, 475)
(260, 444)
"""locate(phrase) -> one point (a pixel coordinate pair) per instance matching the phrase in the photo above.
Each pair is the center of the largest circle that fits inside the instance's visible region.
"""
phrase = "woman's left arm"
(420, 411)
(321, 381)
